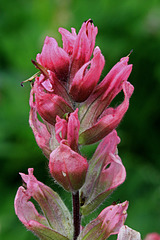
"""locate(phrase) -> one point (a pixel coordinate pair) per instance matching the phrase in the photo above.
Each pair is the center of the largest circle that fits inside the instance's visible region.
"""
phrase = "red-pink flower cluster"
(74, 106)
(69, 79)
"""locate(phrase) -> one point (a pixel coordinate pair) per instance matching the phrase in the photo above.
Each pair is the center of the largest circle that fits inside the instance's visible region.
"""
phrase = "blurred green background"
(122, 25)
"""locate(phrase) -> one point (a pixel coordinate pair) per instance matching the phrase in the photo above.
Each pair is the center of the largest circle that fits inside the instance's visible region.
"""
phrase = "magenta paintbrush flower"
(74, 109)
(70, 76)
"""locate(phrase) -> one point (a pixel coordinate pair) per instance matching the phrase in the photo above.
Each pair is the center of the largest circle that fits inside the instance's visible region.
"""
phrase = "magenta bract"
(41, 133)
(48, 103)
(104, 119)
(54, 58)
(109, 221)
(79, 47)
(85, 80)
(127, 233)
(56, 221)
(105, 173)
(68, 129)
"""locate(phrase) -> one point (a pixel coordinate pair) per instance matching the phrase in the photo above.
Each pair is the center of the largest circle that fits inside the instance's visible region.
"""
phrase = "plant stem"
(76, 214)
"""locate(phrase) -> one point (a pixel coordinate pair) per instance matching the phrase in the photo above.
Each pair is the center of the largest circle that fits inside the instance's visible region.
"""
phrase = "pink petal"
(40, 131)
(54, 58)
(68, 39)
(105, 173)
(108, 121)
(85, 80)
(61, 129)
(73, 130)
(114, 217)
(108, 145)
(83, 46)
(114, 175)
(68, 130)
(57, 215)
(25, 210)
(112, 83)
(105, 92)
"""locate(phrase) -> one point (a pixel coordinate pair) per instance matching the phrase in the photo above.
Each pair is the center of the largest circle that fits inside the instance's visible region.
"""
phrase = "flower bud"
(68, 129)
(68, 167)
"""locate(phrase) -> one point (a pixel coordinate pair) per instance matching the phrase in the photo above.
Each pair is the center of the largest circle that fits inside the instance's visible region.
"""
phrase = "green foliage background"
(123, 25)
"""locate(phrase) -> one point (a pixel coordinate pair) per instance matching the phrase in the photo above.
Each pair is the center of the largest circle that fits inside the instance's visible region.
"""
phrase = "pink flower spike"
(152, 236)
(86, 80)
(109, 221)
(68, 167)
(54, 58)
(127, 233)
(109, 119)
